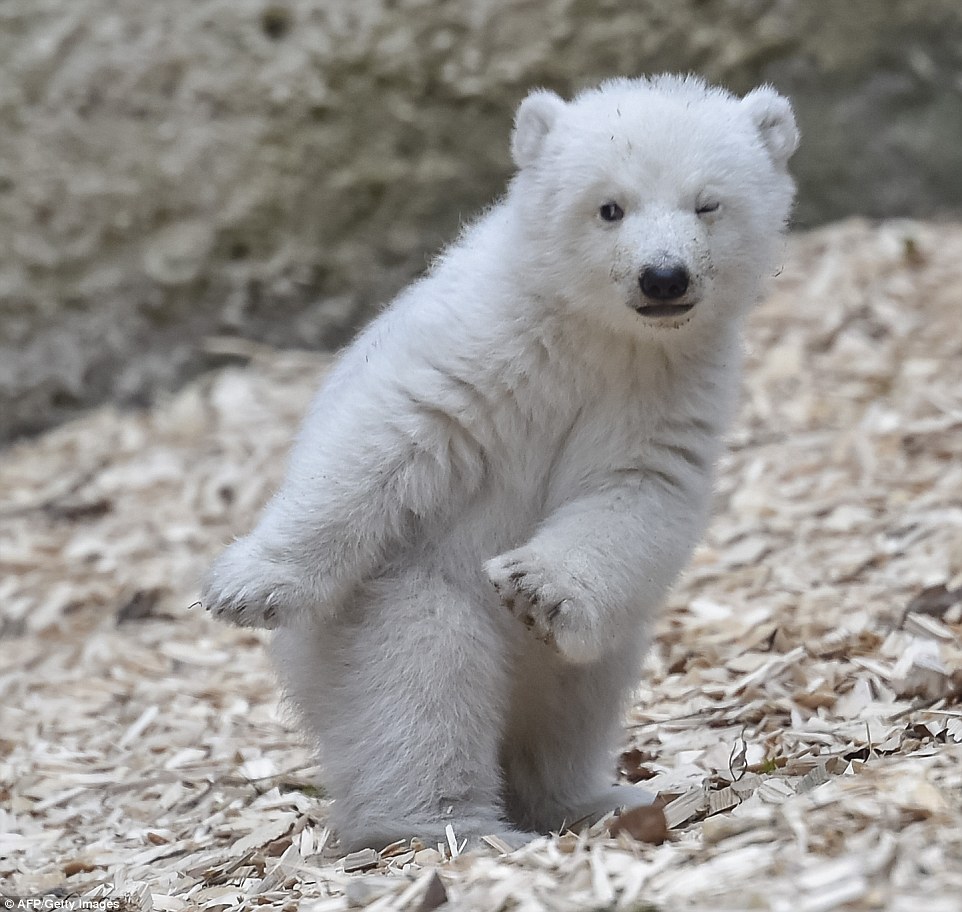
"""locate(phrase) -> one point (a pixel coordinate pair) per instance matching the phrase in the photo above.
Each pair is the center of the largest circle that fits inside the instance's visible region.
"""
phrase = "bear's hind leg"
(406, 696)
(559, 754)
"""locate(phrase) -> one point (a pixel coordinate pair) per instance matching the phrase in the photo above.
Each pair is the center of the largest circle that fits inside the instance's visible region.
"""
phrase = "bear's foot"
(618, 798)
(470, 833)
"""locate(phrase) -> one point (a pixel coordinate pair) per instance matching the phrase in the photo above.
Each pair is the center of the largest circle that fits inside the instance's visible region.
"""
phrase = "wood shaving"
(799, 712)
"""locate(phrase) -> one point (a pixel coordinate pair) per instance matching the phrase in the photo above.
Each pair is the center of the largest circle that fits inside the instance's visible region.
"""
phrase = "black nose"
(662, 283)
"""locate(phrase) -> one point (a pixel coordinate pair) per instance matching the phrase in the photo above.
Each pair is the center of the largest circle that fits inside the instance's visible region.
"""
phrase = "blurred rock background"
(175, 173)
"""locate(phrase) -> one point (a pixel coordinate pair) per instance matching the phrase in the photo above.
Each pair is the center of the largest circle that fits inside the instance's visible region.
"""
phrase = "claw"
(555, 609)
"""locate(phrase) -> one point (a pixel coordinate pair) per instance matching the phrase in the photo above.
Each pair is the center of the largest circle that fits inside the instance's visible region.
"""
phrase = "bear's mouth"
(663, 310)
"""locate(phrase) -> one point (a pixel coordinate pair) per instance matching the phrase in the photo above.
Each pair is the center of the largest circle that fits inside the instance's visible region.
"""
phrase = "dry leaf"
(645, 824)
(632, 768)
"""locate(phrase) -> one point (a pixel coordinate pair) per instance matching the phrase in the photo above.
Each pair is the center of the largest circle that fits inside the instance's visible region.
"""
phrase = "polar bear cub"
(506, 471)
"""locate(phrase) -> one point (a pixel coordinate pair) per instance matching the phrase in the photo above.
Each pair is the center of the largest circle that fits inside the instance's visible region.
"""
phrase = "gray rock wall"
(171, 171)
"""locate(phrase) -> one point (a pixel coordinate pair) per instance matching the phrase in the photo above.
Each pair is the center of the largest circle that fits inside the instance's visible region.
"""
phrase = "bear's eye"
(611, 212)
(705, 208)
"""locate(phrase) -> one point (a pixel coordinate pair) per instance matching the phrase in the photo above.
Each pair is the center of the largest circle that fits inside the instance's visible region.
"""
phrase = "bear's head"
(654, 203)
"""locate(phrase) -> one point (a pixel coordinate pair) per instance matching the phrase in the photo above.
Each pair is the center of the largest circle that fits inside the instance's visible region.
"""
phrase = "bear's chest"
(556, 433)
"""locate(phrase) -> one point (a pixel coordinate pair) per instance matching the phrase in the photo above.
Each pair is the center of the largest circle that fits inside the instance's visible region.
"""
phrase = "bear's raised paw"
(249, 590)
(547, 600)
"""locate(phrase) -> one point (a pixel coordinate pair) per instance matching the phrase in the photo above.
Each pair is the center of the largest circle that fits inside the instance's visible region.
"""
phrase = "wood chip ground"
(799, 713)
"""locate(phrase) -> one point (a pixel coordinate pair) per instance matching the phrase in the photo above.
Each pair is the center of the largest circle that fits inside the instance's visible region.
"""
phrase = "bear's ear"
(773, 118)
(532, 123)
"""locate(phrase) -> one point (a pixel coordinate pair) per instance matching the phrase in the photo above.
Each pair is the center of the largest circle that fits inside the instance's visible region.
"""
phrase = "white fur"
(532, 123)
(511, 441)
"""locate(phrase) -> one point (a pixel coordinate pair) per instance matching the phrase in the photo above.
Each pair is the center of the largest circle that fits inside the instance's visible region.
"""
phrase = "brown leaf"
(646, 824)
(277, 847)
(632, 768)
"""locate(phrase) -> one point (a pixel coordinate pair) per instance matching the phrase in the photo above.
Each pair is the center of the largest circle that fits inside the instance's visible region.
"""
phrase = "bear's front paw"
(547, 600)
(245, 588)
